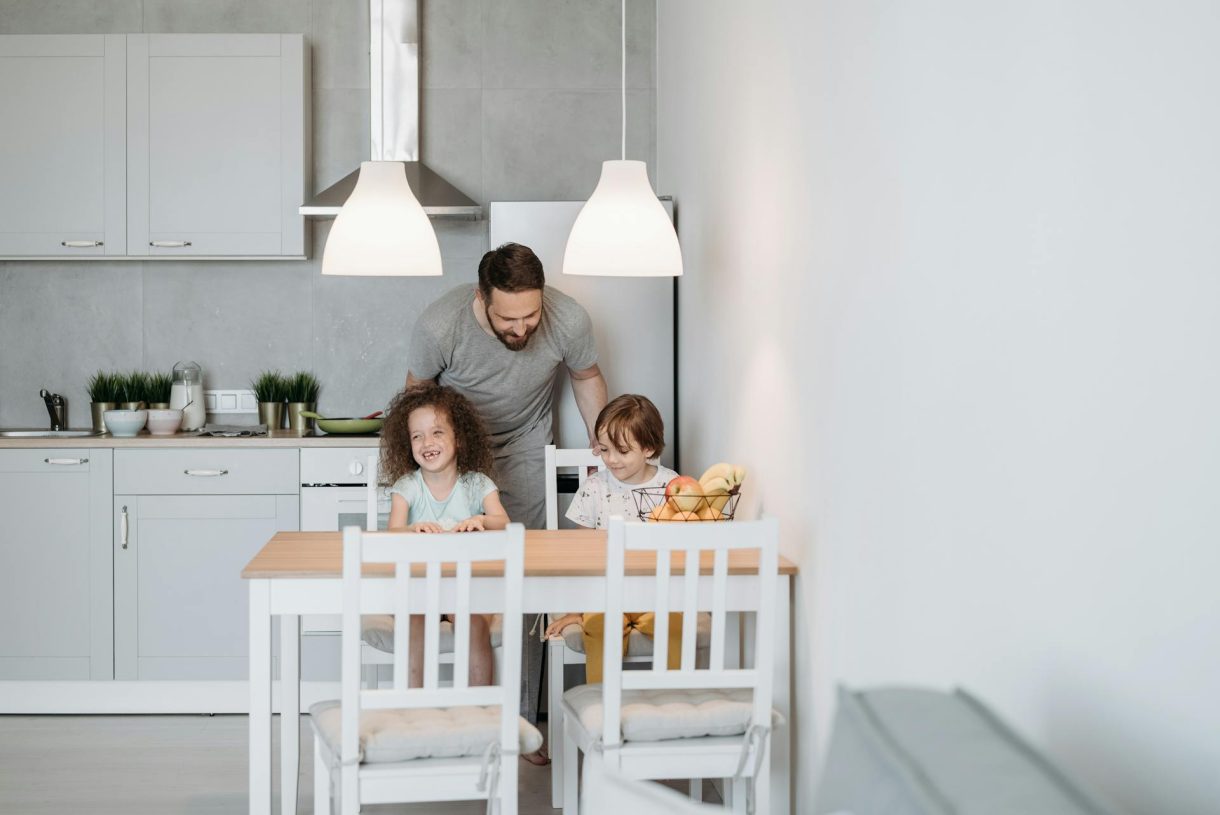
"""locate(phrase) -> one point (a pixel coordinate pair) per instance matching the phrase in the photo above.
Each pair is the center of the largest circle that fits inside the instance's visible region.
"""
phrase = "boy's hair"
(473, 447)
(632, 416)
(510, 268)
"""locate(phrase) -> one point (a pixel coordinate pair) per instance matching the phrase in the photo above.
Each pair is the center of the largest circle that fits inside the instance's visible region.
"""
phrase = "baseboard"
(117, 697)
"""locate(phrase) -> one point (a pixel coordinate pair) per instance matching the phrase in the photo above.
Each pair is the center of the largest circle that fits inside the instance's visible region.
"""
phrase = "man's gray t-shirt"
(513, 391)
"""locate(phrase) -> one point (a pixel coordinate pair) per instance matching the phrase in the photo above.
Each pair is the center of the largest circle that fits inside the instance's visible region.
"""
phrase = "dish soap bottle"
(186, 394)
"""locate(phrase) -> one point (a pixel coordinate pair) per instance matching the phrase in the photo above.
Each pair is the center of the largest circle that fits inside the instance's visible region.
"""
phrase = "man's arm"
(589, 388)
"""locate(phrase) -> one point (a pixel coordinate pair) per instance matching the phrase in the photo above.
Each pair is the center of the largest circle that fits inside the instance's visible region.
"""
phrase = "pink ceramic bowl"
(164, 422)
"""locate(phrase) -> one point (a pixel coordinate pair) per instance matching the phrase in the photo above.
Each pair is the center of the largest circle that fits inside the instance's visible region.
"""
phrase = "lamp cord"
(624, 77)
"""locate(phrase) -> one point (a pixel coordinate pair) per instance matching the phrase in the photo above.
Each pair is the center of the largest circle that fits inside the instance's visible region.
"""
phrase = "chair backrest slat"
(692, 539)
(690, 607)
(432, 627)
(432, 552)
(660, 639)
(720, 592)
(555, 457)
(402, 633)
(461, 628)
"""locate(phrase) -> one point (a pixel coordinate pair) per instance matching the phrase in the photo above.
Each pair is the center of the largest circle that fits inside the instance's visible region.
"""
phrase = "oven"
(334, 488)
(334, 494)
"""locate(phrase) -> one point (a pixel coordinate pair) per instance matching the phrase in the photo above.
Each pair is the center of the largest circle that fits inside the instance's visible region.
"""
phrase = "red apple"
(684, 493)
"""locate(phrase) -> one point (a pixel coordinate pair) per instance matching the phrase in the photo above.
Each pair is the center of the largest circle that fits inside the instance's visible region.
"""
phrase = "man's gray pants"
(520, 478)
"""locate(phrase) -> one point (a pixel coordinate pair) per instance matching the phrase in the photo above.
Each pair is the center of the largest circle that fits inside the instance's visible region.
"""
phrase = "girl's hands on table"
(472, 524)
(425, 526)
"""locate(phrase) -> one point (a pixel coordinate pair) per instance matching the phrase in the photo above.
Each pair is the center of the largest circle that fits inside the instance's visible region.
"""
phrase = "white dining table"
(298, 573)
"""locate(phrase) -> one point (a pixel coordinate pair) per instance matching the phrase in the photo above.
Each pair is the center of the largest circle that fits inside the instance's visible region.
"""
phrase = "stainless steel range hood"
(394, 109)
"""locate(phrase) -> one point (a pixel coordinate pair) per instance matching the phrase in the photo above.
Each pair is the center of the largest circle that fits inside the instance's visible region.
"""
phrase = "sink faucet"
(57, 408)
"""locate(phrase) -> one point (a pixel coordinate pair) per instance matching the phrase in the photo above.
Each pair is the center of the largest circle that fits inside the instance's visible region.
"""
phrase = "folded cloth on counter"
(231, 430)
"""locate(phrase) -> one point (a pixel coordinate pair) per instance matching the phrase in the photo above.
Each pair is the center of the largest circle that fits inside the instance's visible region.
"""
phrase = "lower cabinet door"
(55, 572)
(180, 604)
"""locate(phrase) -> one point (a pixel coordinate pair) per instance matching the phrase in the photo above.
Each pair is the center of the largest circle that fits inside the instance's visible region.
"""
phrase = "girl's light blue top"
(465, 500)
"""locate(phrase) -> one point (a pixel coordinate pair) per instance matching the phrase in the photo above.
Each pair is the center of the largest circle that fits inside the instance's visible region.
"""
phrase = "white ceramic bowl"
(164, 422)
(125, 423)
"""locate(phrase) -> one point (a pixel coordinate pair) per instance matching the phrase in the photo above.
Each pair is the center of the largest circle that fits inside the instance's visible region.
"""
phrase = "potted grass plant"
(302, 394)
(159, 386)
(270, 388)
(103, 391)
(135, 390)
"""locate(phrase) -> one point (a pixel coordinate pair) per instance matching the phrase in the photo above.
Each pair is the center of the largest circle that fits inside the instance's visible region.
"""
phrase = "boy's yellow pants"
(595, 632)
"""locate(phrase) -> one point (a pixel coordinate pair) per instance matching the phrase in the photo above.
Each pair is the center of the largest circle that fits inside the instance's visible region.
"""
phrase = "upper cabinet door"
(62, 145)
(215, 145)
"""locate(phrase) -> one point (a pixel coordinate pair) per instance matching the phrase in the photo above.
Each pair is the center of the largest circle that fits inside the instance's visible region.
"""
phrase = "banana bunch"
(719, 480)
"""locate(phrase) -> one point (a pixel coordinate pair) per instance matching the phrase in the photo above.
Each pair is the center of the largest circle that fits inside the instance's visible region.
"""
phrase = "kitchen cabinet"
(55, 564)
(216, 129)
(150, 145)
(62, 146)
(186, 523)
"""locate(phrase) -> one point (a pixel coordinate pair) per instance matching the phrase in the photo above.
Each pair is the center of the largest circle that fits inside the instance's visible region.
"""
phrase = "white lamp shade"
(622, 230)
(381, 230)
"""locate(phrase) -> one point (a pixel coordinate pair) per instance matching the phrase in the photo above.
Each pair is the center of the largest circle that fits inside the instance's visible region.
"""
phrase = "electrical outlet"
(236, 400)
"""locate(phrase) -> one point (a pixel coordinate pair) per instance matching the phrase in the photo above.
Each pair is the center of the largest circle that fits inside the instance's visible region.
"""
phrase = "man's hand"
(425, 527)
(472, 524)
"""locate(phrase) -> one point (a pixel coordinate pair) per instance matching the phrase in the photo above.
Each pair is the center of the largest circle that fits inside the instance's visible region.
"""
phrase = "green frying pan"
(344, 426)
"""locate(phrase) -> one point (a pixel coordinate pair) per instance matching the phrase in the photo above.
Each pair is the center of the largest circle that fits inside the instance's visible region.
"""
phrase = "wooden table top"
(548, 553)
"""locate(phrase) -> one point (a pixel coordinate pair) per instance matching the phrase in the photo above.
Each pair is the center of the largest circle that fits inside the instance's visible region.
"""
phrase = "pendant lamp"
(623, 230)
(382, 230)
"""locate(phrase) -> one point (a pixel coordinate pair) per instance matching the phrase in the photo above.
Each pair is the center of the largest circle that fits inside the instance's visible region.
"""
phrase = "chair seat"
(638, 645)
(389, 736)
(661, 715)
(378, 631)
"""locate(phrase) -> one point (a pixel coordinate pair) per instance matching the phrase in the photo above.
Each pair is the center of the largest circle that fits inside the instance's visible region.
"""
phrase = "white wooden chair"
(568, 647)
(368, 744)
(377, 650)
(667, 712)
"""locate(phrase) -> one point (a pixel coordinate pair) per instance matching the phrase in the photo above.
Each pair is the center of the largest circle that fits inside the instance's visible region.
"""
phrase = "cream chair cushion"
(378, 631)
(659, 715)
(388, 736)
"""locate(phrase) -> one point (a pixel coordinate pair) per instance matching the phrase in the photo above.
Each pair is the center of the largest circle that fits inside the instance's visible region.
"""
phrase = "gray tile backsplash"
(518, 103)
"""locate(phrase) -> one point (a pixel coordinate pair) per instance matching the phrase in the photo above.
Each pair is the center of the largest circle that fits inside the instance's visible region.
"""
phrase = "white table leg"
(260, 697)
(780, 757)
(290, 711)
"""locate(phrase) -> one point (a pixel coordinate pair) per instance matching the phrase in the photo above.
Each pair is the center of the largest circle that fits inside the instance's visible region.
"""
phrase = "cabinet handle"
(123, 527)
(80, 244)
(169, 244)
(210, 473)
(65, 460)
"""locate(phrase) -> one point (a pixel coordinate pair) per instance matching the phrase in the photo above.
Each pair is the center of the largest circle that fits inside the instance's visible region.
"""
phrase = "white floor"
(169, 765)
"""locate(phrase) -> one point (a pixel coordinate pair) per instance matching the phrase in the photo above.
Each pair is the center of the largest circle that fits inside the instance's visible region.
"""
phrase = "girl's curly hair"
(473, 447)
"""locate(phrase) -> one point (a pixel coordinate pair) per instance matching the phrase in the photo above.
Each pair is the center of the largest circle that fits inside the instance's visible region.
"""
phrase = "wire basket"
(653, 505)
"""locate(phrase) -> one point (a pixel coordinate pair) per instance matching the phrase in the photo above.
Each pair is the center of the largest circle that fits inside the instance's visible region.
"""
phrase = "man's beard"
(507, 339)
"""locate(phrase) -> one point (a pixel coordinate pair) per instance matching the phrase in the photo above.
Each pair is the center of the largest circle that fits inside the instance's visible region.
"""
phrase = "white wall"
(961, 265)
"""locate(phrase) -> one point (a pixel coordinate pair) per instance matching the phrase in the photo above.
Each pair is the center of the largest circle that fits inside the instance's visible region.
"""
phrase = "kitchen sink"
(45, 434)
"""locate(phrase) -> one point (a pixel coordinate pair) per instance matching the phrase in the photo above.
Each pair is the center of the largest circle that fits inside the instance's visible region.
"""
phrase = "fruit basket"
(654, 505)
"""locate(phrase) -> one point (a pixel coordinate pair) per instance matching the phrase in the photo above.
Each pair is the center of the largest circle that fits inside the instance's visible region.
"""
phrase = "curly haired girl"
(435, 453)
